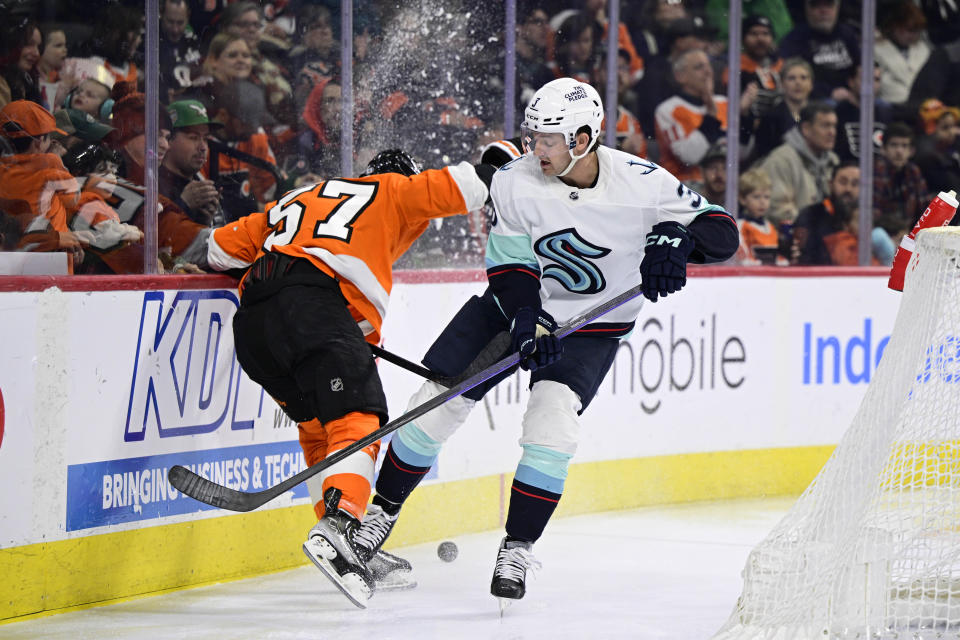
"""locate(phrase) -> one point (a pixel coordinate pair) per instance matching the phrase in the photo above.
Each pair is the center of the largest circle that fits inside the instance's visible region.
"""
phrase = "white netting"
(872, 548)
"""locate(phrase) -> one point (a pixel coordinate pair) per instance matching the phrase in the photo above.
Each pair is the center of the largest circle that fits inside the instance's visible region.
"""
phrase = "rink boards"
(738, 387)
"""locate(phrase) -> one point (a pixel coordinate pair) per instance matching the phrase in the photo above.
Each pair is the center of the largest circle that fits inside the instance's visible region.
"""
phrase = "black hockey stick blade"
(209, 492)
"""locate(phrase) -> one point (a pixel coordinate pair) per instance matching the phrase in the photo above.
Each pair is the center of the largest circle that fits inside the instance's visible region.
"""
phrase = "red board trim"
(212, 281)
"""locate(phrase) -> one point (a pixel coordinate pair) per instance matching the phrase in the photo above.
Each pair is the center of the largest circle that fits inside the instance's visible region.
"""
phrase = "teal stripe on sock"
(414, 447)
(544, 468)
(534, 478)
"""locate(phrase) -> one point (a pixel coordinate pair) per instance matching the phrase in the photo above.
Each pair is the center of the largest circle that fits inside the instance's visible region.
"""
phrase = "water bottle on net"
(939, 213)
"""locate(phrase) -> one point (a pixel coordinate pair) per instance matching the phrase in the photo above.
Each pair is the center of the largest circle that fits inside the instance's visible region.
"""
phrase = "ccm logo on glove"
(664, 265)
(652, 239)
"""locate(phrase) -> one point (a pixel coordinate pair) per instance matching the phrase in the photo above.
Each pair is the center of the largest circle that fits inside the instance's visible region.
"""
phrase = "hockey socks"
(530, 510)
(390, 508)
(397, 478)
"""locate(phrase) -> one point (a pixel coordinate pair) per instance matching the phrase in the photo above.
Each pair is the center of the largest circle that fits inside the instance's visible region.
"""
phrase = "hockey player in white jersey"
(576, 224)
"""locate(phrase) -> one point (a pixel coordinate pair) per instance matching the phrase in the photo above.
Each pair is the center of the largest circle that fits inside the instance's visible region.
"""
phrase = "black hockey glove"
(664, 264)
(531, 333)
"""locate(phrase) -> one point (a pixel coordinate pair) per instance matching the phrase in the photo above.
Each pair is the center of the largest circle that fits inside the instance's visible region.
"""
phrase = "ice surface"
(662, 572)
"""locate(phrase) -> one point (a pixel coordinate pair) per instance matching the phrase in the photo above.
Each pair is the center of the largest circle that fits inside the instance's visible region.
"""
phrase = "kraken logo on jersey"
(572, 269)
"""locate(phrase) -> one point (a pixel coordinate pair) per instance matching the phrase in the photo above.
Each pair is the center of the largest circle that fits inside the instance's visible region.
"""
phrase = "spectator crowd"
(251, 99)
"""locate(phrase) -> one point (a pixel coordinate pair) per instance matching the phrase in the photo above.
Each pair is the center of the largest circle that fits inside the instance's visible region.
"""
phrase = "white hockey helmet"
(564, 106)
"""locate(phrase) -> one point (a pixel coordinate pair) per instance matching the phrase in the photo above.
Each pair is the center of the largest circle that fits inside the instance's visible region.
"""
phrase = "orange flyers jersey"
(125, 73)
(754, 234)
(94, 209)
(682, 144)
(37, 185)
(353, 229)
(630, 136)
(258, 182)
(844, 247)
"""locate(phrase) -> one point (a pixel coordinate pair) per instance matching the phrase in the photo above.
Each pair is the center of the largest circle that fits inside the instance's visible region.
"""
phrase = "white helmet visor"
(532, 140)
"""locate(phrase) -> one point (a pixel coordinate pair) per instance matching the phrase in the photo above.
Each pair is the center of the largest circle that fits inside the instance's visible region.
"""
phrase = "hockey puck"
(447, 551)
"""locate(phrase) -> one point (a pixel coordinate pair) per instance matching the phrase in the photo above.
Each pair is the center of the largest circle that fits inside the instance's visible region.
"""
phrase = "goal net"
(871, 550)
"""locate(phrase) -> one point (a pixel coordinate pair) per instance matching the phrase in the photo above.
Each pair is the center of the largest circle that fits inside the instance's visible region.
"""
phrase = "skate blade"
(351, 585)
(397, 581)
(504, 604)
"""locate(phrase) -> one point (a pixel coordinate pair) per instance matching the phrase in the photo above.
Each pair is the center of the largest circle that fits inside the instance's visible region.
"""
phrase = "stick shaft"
(403, 363)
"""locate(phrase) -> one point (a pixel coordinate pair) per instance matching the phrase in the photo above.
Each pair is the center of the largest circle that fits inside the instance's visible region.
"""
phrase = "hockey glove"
(532, 337)
(664, 264)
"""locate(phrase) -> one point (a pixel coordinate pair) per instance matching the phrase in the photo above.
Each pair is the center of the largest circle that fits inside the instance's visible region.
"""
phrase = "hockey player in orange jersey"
(319, 273)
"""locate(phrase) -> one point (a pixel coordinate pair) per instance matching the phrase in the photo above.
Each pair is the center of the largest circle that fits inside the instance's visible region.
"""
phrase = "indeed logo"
(855, 356)
(186, 379)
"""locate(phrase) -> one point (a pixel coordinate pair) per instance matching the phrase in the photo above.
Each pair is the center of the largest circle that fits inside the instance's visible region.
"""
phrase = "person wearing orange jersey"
(318, 279)
(693, 119)
(759, 239)
(826, 232)
(35, 187)
(240, 106)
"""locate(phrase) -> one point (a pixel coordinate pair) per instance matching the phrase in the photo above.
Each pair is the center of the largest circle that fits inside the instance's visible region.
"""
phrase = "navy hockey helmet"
(392, 161)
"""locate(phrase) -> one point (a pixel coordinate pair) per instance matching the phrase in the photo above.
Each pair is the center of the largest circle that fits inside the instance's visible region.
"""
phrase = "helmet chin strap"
(573, 161)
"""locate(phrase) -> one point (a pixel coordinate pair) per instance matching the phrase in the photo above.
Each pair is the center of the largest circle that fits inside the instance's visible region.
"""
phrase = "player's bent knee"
(551, 419)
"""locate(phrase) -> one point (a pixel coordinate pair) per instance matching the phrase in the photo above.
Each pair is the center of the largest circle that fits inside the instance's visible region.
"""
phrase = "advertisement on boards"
(104, 391)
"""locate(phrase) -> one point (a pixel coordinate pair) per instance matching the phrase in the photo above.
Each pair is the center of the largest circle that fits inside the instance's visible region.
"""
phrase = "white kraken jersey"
(585, 244)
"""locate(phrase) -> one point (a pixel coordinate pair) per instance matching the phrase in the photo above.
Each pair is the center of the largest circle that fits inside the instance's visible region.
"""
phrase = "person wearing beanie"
(760, 86)
(128, 137)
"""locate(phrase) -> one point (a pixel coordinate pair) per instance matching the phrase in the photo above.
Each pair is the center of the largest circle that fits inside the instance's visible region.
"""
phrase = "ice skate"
(373, 531)
(510, 573)
(390, 572)
(330, 546)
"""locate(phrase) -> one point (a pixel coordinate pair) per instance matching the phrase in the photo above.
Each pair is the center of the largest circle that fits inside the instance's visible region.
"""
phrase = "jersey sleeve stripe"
(219, 259)
(500, 270)
(724, 215)
(356, 271)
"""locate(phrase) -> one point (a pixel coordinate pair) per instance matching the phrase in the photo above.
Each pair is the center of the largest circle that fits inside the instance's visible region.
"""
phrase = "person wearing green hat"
(179, 175)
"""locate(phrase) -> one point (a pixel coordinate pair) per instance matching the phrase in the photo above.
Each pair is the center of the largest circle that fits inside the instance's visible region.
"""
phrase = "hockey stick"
(490, 354)
(412, 367)
(211, 493)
